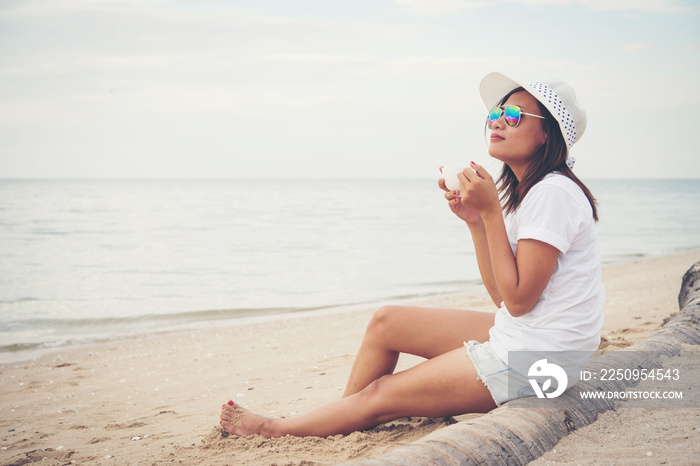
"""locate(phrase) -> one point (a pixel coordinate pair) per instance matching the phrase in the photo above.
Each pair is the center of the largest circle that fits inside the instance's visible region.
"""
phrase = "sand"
(155, 399)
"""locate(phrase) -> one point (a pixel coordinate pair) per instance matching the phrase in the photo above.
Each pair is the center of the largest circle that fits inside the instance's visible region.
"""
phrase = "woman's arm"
(519, 279)
(483, 259)
(522, 278)
(476, 226)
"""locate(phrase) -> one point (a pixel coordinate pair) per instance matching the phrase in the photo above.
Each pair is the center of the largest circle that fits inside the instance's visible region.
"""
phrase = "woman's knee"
(381, 325)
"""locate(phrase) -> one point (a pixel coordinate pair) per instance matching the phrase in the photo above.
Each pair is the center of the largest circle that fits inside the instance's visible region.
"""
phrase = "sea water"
(93, 259)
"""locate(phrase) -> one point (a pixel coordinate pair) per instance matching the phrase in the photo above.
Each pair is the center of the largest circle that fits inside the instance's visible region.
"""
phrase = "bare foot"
(238, 421)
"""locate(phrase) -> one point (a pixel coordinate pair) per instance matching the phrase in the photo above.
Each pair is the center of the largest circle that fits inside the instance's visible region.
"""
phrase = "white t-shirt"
(568, 315)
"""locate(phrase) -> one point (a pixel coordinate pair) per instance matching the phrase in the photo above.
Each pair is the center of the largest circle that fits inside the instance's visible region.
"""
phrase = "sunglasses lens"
(494, 115)
(512, 115)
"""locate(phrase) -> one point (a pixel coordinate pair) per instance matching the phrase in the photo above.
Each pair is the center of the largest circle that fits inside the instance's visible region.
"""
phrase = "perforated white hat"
(557, 96)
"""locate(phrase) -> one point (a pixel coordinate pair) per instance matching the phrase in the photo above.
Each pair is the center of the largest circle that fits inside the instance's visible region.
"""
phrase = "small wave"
(179, 317)
(17, 347)
(19, 300)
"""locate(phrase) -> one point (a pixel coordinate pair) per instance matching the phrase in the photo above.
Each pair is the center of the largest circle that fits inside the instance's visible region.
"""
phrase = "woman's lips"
(496, 137)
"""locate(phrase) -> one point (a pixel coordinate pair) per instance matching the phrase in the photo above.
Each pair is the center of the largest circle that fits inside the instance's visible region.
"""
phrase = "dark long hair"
(550, 157)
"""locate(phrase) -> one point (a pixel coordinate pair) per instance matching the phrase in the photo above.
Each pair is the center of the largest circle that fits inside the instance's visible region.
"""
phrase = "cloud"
(645, 6)
(448, 7)
(440, 7)
(80, 49)
(638, 47)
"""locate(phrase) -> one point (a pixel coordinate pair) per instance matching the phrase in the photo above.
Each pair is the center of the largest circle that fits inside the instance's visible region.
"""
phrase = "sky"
(334, 88)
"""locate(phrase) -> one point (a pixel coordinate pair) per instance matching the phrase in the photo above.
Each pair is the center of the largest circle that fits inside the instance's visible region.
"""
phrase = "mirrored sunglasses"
(512, 115)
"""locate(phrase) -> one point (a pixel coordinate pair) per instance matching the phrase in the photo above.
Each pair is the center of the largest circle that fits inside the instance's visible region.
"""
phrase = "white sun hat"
(557, 96)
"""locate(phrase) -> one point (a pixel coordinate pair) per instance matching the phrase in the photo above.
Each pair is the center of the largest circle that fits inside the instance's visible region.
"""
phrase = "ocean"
(83, 260)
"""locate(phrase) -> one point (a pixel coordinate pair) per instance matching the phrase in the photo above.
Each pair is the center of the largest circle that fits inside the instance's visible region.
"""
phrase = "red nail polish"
(230, 403)
(473, 163)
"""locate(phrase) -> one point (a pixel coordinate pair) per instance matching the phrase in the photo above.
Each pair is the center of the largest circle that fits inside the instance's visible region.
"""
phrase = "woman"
(542, 271)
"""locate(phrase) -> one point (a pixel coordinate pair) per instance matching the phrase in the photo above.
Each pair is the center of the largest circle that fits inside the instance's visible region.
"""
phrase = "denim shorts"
(503, 382)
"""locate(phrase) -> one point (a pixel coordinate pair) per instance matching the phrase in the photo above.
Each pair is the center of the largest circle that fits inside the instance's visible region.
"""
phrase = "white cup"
(450, 175)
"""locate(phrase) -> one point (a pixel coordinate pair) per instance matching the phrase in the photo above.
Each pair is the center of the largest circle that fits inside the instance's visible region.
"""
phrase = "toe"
(229, 415)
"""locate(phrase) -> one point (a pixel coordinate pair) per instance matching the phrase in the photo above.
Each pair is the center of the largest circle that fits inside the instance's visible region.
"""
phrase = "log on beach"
(512, 436)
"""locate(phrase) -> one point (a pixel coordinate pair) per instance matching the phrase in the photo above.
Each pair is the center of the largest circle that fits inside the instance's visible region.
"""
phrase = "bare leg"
(442, 386)
(425, 332)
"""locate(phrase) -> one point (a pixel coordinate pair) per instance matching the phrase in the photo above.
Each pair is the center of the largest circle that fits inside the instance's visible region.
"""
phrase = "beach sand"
(156, 399)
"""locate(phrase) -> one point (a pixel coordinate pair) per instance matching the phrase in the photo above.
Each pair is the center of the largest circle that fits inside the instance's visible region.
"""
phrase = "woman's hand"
(478, 191)
(466, 213)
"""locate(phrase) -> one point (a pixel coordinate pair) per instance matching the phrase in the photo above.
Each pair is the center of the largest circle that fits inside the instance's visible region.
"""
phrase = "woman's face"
(516, 146)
